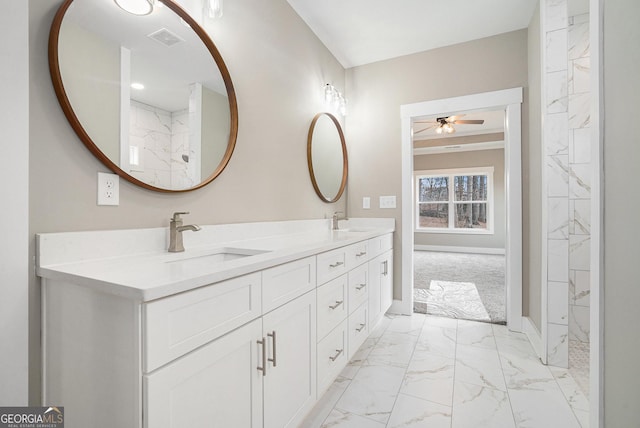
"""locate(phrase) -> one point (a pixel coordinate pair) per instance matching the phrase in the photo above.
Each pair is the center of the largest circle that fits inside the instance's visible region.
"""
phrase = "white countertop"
(144, 270)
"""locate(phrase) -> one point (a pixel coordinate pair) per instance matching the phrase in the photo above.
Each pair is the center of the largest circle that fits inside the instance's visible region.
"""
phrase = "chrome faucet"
(175, 232)
(335, 218)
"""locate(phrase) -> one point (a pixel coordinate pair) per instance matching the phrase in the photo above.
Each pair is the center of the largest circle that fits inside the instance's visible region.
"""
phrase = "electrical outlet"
(108, 189)
(366, 202)
(387, 201)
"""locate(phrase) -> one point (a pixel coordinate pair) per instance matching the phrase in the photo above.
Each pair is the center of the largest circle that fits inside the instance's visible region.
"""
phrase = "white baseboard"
(451, 249)
(530, 329)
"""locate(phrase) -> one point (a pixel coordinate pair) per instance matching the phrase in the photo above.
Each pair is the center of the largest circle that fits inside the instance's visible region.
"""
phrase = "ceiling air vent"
(165, 37)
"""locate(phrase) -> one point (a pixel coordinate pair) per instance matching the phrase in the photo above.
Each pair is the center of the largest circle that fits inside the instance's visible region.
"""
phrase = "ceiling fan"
(445, 124)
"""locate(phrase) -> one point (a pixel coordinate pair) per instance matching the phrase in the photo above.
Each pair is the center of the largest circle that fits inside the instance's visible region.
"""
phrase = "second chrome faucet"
(175, 232)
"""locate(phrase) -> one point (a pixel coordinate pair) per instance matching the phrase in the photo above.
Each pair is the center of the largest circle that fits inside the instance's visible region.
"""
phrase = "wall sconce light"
(136, 7)
(214, 8)
(334, 99)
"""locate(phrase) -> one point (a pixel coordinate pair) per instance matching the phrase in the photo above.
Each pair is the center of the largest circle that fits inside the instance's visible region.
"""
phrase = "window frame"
(451, 173)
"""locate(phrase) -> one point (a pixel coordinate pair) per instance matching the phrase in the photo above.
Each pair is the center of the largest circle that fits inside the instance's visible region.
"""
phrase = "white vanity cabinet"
(250, 346)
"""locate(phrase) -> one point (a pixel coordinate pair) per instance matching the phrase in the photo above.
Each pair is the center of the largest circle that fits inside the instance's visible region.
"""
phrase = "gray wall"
(532, 184)
(621, 206)
(494, 158)
(90, 69)
(278, 67)
(376, 92)
(215, 130)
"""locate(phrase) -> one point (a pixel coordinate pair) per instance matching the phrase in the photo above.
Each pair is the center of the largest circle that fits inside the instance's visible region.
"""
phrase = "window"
(454, 201)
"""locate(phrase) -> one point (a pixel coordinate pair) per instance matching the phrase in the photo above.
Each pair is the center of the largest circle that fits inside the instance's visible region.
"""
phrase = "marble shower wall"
(162, 138)
(567, 159)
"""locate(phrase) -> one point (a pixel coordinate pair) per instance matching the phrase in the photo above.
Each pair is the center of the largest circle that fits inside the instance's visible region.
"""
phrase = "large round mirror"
(149, 95)
(327, 157)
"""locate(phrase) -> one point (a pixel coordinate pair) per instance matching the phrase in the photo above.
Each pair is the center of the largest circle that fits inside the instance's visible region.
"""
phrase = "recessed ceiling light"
(136, 85)
(136, 7)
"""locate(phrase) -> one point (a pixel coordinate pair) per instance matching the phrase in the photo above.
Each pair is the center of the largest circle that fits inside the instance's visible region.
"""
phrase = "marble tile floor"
(428, 371)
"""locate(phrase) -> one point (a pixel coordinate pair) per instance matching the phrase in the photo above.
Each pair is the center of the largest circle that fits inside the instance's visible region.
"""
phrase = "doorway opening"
(509, 103)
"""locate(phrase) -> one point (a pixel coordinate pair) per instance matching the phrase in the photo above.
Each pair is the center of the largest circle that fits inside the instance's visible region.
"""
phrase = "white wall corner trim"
(533, 334)
(466, 250)
(510, 100)
(14, 190)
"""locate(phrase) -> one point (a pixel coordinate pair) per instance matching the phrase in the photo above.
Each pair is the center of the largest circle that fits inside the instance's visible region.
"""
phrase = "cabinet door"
(290, 381)
(386, 281)
(217, 385)
(375, 282)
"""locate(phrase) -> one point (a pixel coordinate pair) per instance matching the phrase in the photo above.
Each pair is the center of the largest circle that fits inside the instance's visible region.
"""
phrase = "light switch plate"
(108, 189)
(387, 201)
(366, 202)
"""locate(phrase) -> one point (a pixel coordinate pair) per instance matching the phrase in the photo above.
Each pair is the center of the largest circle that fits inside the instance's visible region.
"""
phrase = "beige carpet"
(485, 272)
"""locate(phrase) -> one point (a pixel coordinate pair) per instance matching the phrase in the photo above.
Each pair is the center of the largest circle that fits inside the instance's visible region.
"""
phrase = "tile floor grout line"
(405, 373)
(504, 377)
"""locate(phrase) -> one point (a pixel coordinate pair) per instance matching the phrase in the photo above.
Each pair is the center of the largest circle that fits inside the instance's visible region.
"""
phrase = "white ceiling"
(359, 32)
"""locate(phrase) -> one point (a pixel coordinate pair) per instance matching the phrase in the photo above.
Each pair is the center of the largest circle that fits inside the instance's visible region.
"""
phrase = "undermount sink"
(219, 255)
(356, 230)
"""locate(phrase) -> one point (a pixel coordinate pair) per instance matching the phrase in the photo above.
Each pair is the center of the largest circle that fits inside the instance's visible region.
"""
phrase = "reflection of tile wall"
(150, 130)
(163, 137)
(567, 159)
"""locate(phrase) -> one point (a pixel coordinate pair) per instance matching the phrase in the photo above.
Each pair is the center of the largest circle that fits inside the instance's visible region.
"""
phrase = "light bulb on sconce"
(334, 99)
(136, 7)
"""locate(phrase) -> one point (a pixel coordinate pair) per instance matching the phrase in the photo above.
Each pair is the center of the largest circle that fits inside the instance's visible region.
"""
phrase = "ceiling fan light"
(136, 7)
(439, 130)
(451, 130)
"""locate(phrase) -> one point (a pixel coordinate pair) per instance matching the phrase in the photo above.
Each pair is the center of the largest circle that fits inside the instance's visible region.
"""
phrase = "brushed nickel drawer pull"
(272, 335)
(361, 327)
(336, 264)
(362, 253)
(263, 369)
(386, 268)
(335, 357)
(361, 286)
(338, 303)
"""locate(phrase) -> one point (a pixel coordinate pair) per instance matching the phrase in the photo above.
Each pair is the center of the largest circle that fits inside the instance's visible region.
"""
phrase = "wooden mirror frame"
(345, 162)
(56, 78)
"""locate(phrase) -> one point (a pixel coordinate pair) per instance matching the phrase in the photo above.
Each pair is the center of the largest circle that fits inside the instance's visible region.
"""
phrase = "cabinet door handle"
(338, 303)
(361, 286)
(361, 327)
(336, 264)
(272, 335)
(361, 253)
(263, 369)
(385, 270)
(335, 357)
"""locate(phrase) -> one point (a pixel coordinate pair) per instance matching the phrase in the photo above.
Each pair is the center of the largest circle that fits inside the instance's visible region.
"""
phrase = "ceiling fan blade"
(469, 122)
(425, 121)
(422, 130)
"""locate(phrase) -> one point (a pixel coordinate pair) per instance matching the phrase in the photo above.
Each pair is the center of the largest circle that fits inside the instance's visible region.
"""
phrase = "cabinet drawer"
(358, 329)
(357, 254)
(380, 244)
(283, 283)
(178, 324)
(332, 356)
(331, 305)
(358, 287)
(332, 264)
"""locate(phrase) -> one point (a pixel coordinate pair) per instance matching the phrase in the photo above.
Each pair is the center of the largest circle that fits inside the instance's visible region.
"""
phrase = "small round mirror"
(327, 157)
